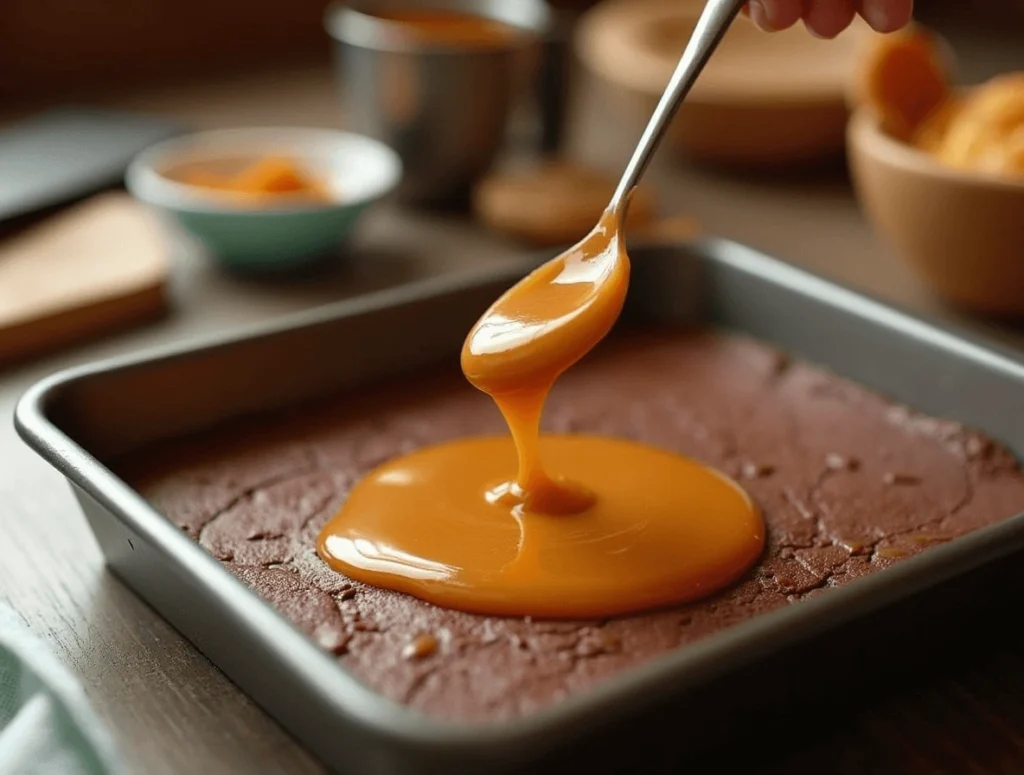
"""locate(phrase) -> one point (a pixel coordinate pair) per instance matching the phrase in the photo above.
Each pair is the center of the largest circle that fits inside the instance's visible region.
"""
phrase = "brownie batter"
(848, 482)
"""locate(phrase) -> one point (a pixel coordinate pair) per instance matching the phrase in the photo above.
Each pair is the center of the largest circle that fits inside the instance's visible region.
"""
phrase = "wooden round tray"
(764, 99)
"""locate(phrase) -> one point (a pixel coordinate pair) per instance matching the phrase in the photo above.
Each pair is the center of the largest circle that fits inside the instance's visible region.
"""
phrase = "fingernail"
(759, 15)
(814, 33)
(876, 15)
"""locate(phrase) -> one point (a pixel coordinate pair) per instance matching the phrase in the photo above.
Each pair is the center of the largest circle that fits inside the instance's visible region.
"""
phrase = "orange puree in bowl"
(273, 176)
(547, 526)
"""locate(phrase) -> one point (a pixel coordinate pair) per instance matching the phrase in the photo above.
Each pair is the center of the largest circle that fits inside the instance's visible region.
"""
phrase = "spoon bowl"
(550, 319)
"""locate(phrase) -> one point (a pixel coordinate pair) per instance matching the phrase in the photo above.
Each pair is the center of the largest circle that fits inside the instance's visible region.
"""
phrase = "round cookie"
(673, 229)
(553, 203)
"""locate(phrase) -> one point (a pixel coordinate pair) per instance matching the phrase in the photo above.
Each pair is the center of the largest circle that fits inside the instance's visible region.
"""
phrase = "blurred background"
(170, 169)
(55, 49)
(505, 147)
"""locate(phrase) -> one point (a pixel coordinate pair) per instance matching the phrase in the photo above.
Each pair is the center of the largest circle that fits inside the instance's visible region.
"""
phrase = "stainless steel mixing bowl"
(445, 109)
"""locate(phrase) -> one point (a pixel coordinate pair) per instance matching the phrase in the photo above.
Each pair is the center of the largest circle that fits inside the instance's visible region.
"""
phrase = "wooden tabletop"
(171, 711)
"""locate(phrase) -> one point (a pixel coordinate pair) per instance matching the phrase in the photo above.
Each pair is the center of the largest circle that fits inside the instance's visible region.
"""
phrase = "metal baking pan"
(80, 418)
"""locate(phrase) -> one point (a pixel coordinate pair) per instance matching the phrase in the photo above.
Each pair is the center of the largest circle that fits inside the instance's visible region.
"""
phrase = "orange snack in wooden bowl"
(939, 172)
(903, 79)
(930, 134)
(986, 133)
(904, 83)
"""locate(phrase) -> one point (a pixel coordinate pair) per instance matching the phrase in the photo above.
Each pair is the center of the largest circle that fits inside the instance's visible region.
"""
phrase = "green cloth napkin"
(46, 725)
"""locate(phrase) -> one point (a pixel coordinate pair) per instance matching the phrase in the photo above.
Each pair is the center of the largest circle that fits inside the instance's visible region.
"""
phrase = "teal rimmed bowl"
(275, 234)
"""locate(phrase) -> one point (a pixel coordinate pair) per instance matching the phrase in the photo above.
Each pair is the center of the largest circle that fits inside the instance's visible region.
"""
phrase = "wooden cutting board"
(96, 267)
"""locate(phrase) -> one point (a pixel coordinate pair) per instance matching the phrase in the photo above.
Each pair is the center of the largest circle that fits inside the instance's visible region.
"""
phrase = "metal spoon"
(551, 318)
(711, 27)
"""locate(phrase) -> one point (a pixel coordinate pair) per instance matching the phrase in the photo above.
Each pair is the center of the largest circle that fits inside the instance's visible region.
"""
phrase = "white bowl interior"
(355, 169)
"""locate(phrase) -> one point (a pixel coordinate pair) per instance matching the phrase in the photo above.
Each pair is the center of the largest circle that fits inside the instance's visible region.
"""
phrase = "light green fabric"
(46, 725)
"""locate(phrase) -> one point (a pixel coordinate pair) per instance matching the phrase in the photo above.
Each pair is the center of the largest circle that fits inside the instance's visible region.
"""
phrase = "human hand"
(827, 18)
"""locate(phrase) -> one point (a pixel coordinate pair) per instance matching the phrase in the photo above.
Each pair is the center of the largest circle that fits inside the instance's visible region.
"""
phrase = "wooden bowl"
(962, 232)
(764, 99)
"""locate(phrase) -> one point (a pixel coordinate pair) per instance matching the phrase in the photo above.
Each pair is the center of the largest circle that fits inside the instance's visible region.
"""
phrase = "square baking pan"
(747, 676)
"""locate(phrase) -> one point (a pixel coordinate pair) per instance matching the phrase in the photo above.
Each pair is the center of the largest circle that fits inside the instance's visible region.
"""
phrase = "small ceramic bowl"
(764, 100)
(275, 235)
(962, 232)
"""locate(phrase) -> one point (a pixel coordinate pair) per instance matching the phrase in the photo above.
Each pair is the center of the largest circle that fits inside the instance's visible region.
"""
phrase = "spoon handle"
(711, 27)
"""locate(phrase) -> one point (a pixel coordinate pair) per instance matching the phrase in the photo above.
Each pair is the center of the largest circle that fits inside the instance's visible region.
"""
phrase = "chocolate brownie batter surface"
(848, 483)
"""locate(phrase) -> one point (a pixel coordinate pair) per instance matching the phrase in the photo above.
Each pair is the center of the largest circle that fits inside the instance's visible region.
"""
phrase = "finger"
(827, 18)
(774, 15)
(755, 10)
(887, 15)
(783, 14)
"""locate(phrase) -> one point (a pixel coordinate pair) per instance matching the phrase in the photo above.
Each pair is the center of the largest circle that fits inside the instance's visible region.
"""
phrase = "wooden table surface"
(172, 712)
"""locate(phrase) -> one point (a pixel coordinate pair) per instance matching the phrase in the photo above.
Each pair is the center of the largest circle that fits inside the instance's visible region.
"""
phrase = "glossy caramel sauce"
(548, 526)
(533, 333)
(449, 28)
